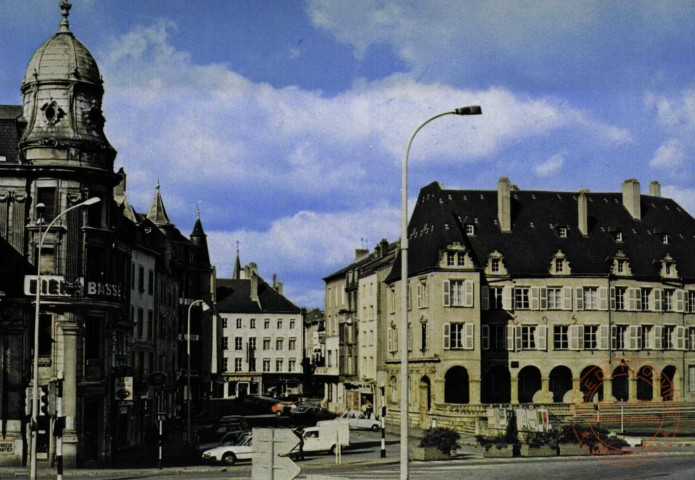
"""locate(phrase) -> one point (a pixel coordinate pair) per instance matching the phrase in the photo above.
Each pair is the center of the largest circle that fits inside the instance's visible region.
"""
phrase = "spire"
(158, 214)
(65, 7)
(237, 264)
(199, 239)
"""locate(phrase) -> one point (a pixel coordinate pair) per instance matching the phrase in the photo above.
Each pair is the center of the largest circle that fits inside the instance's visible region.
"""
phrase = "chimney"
(360, 253)
(252, 274)
(631, 198)
(120, 188)
(383, 247)
(655, 189)
(277, 286)
(504, 205)
(582, 213)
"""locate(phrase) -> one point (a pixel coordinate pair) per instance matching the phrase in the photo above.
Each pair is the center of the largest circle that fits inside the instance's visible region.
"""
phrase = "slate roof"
(370, 263)
(234, 296)
(440, 216)
(9, 132)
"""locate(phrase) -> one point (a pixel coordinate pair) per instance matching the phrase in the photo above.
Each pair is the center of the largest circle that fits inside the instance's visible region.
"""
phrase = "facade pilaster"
(70, 331)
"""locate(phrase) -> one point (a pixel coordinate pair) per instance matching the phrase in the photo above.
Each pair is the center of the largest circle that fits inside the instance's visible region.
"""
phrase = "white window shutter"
(658, 299)
(389, 339)
(603, 337)
(579, 300)
(567, 298)
(510, 337)
(543, 298)
(541, 337)
(658, 337)
(614, 337)
(573, 337)
(447, 336)
(680, 338)
(446, 297)
(485, 337)
(469, 336)
(638, 295)
(507, 297)
(632, 299)
(680, 301)
(613, 298)
(518, 338)
(535, 298)
(633, 331)
(603, 298)
(468, 287)
(580, 336)
(485, 298)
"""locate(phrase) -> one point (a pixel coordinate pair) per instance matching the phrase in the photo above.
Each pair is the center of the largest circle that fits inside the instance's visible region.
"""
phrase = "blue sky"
(286, 121)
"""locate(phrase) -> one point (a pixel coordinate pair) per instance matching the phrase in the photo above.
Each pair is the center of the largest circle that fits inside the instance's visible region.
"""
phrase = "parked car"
(230, 454)
(282, 408)
(228, 438)
(310, 414)
(228, 423)
(358, 420)
(260, 403)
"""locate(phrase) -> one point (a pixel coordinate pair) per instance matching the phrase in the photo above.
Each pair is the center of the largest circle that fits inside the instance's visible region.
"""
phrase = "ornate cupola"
(62, 98)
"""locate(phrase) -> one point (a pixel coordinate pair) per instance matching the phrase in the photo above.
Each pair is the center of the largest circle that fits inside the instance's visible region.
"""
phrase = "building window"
(150, 324)
(278, 344)
(621, 337)
(45, 335)
(619, 237)
(560, 337)
(645, 294)
(562, 232)
(456, 336)
(456, 292)
(239, 323)
(499, 337)
(252, 323)
(266, 365)
(450, 259)
(528, 337)
(669, 300)
(279, 323)
(590, 332)
(554, 298)
(559, 265)
(237, 364)
(141, 279)
(278, 365)
(291, 324)
(665, 239)
(421, 294)
(292, 344)
(495, 298)
(691, 338)
(470, 230)
(141, 323)
(225, 343)
(668, 337)
(423, 336)
(590, 298)
(620, 294)
(691, 376)
(266, 323)
(252, 343)
(266, 344)
(495, 265)
(224, 323)
(238, 343)
(647, 337)
(521, 298)
(291, 365)
(691, 301)
(622, 266)
(460, 259)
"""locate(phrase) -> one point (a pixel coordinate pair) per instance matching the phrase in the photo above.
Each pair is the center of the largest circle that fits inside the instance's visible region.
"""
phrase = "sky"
(286, 122)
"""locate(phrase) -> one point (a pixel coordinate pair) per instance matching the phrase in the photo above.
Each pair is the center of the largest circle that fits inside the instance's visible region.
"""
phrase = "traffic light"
(43, 400)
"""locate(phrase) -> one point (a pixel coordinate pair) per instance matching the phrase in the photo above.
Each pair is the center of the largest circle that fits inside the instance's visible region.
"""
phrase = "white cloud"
(551, 166)
(669, 155)
(685, 197)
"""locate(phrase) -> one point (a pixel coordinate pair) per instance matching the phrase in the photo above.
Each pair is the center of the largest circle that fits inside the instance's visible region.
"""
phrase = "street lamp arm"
(89, 201)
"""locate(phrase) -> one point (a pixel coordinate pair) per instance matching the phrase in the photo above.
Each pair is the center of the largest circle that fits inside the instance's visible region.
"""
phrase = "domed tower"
(62, 97)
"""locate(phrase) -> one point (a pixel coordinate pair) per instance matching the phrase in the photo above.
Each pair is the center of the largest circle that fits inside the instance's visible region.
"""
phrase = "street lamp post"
(403, 337)
(188, 375)
(37, 311)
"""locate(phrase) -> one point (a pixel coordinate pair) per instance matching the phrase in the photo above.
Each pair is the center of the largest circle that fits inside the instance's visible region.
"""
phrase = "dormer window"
(460, 259)
(619, 237)
(470, 230)
(455, 255)
(668, 267)
(621, 265)
(450, 259)
(561, 230)
(665, 238)
(495, 264)
(559, 264)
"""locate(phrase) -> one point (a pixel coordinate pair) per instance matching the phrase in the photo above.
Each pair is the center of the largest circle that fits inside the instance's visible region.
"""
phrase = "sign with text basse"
(94, 288)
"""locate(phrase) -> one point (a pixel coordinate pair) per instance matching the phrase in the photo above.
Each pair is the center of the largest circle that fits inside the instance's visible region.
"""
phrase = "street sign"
(271, 447)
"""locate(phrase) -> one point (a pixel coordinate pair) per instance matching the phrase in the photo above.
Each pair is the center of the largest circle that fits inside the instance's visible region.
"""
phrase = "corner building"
(516, 295)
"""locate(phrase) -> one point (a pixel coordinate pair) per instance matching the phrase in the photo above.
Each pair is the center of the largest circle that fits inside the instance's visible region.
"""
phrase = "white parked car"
(358, 420)
(230, 453)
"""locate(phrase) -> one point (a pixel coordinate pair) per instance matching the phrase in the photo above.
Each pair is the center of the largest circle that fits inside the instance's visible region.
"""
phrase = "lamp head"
(91, 201)
(472, 110)
(205, 307)
(40, 208)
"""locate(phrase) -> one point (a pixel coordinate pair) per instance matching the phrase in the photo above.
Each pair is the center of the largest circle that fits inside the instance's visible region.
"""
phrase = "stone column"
(546, 397)
(515, 390)
(608, 387)
(656, 391)
(576, 390)
(70, 331)
(474, 391)
(632, 386)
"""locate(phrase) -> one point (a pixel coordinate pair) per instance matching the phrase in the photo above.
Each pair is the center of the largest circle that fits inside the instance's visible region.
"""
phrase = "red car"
(282, 408)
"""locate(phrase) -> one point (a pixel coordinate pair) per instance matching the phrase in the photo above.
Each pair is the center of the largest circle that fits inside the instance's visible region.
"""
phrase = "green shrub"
(589, 437)
(538, 439)
(444, 439)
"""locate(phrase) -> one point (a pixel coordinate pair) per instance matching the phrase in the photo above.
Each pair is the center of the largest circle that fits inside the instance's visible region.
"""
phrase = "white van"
(325, 436)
